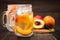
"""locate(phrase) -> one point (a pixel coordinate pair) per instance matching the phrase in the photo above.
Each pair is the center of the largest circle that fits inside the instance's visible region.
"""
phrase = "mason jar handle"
(3, 19)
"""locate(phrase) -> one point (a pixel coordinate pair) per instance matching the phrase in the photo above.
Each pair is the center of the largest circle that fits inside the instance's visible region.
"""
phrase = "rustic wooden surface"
(6, 35)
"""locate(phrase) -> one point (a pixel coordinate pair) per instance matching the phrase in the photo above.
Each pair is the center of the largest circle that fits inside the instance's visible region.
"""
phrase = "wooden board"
(44, 30)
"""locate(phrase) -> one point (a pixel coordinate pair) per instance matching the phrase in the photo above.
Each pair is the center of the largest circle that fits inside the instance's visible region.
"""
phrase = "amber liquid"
(24, 23)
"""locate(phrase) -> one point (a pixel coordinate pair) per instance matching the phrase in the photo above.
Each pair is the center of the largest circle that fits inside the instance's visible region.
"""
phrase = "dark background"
(42, 8)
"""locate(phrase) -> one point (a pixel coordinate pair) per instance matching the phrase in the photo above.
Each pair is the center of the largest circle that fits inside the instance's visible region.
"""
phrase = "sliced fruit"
(21, 31)
(27, 24)
(38, 23)
(23, 18)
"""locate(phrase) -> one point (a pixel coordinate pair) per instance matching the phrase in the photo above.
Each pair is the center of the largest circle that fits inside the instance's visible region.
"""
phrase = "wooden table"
(6, 35)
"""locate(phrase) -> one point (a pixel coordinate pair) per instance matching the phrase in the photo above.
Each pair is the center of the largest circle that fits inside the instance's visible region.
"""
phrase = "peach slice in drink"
(24, 23)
